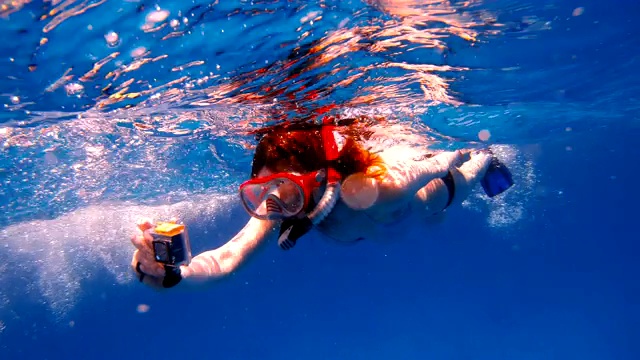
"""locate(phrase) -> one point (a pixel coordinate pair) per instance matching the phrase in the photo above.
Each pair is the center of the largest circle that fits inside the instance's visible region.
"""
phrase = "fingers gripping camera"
(172, 248)
(171, 244)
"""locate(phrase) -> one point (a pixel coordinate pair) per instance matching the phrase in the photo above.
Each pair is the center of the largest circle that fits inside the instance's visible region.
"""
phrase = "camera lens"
(161, 251)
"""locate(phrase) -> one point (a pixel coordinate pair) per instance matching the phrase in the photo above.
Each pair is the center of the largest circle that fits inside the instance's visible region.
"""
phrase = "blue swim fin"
(497, 179)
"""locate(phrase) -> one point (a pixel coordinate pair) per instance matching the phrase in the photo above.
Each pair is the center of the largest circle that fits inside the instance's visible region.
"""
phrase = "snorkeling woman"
(323, 177)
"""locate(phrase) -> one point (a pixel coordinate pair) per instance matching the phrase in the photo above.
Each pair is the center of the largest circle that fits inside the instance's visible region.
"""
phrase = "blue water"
(548, 271)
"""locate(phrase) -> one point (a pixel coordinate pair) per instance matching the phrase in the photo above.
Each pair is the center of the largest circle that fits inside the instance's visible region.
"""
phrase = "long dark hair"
(300, 149)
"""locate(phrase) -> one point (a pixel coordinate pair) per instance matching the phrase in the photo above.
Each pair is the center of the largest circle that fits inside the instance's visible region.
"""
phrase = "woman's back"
(395, 146)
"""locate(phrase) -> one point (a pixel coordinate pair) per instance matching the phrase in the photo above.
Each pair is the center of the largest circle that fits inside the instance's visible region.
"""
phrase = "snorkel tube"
(326, 204)
(292, 229)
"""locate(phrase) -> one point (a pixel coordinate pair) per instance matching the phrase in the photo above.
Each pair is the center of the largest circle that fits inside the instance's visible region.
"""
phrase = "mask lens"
(285, 193)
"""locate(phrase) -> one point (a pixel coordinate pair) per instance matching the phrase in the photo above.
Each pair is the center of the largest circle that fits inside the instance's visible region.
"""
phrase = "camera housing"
(171, 244)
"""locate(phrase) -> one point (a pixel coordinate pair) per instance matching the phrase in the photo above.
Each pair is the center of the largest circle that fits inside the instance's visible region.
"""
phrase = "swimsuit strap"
(451, 187)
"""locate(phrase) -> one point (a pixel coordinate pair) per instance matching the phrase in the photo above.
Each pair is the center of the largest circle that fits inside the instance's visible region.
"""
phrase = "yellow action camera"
(171, 244)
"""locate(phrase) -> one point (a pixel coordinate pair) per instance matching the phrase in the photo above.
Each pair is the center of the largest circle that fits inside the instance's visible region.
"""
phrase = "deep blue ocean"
(112, 110)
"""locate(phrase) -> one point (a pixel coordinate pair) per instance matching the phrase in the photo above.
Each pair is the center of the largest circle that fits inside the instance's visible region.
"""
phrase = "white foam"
(510, 207)
(64, 252)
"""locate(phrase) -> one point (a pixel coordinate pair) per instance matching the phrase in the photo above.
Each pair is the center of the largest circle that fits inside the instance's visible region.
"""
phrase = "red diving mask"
(279, 196)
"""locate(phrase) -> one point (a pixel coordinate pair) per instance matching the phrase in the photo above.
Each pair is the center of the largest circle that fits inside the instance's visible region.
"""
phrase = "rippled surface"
(97, 106)
(167, 93)
(214, 53)
(155, 99)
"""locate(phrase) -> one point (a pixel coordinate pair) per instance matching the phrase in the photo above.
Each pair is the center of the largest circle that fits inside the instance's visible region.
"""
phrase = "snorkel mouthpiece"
(293, 229)
(273, 207)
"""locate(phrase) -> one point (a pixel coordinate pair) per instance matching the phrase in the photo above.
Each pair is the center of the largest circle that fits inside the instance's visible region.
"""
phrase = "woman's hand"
(148, 270)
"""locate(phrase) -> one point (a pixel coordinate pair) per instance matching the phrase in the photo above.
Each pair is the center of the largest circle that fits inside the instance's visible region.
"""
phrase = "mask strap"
(330, 148)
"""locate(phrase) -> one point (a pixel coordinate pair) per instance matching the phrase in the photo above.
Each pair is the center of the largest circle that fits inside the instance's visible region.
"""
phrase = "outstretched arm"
(227, 258)
(404, 177)
(409, 180)
(212, 264)
(435, 195)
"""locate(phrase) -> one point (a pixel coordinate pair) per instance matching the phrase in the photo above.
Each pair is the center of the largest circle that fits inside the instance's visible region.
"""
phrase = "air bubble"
(157, 16)
(112, 38)
(484, 135)
(73, 88)
(138, 52)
